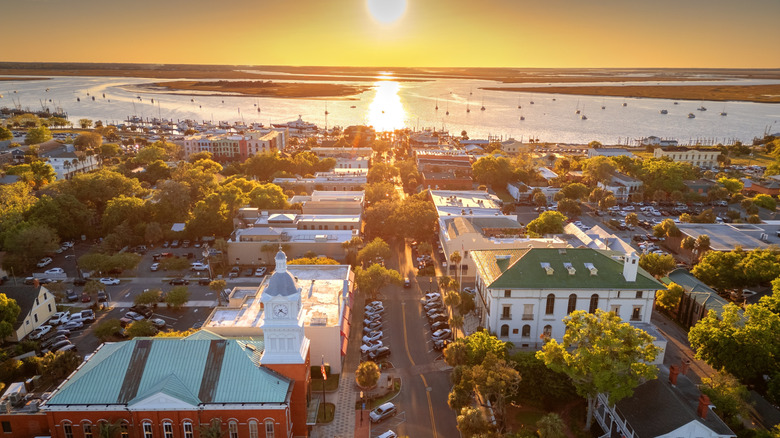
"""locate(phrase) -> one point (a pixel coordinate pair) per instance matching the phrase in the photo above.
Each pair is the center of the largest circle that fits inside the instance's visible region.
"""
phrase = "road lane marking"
(430, 406)
(406, 340)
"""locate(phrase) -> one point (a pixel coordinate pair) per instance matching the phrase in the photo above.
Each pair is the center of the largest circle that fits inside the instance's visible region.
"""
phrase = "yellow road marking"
(430, 406)
(409, 355)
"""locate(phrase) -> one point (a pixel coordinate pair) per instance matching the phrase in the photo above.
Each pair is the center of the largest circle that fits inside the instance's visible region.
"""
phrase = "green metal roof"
(196, 370)
(523, 269)
(697, 290)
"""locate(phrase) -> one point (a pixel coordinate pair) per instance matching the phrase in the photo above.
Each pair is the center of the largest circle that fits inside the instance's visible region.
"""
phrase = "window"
(35, 317)
(506, 312)
(253, 429)
(528, 312)
(507, 293)
(49, 306)
(123, 430)
(148, 430)
(615, 308)
(572, 303)
(548, 331)
(168, 429)
(594, 303)
(7, 427)
(188, 430)
(269, 429)
(233, 429)
(550, 304)
(67, 429)
(504, 330)
(636, 314)
(87, 428)
(515, 331)
(526, 331)
(639, 294)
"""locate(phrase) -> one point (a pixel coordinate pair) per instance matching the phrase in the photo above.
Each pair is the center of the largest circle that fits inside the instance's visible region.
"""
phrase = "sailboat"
(522, 118)
(577, 111)
(583, 117)
(701, 108)
(691, 116)
(663, 111)
(437, 105)
(483, 105)
(468, 109)
(448, 109)
(518, 103)
(326, 109)
(625, 104)
(724, 113)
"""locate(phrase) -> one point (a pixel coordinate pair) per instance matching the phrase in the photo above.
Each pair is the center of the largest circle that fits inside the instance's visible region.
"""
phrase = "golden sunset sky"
(431, 33)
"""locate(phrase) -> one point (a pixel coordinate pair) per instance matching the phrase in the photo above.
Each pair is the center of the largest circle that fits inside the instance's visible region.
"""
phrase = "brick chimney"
(686, 364)
(704, 406)
(673, 372)
(36, 283)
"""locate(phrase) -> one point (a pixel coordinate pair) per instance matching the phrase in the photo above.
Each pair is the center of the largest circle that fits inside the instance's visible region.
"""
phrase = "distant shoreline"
(25, 79)
(287, 90)
(718, 93)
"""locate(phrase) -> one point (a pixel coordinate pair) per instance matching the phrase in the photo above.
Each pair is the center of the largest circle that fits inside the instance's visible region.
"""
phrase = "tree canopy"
(549, 222)
(9, 311)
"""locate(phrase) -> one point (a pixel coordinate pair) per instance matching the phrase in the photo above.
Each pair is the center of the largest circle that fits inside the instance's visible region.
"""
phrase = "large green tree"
(657, 265)
(9, 311)
(725, 340)
(26, 244)
(381, 172)
(372, 250)
(372, 279)
(601, 354)
(65, 214)
(549, 222)
(414, 218)
(38, 135)
(268, 197)
(493, 171)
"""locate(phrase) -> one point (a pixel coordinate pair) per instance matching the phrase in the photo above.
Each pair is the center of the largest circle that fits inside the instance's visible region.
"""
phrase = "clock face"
(280, 311)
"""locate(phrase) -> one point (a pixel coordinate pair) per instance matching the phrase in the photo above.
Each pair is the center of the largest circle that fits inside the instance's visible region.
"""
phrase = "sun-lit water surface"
(386, 112)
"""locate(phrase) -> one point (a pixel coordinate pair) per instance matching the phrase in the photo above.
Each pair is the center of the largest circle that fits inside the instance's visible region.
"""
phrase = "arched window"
(167, 429)
(550, 304)
(233, 429)
(572, 303)
(269, 429)
(526, 331)
(253, 429)
(87, 428)
(188, 431)
(67, 430)
(123, 430)
(504, 330)
(594, 303)
(548, 331)
(148, 431)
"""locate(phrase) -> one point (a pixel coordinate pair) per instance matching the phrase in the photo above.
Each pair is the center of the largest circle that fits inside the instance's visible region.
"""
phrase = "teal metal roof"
(523, 269)
(698, 291)
(197, 370)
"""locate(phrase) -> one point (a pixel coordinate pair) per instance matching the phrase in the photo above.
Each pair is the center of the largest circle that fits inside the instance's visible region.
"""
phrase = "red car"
(85, 298)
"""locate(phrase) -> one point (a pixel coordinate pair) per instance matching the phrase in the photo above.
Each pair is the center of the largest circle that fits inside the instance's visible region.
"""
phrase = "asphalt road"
(422, 402)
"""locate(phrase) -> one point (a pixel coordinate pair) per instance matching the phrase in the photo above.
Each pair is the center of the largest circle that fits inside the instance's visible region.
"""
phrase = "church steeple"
(285, 339)
(281, 261)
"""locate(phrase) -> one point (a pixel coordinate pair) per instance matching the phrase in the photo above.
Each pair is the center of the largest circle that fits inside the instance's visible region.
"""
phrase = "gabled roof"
(657, 408)
(25, 297)
(196, 370)
(697, 290)
(523, 269)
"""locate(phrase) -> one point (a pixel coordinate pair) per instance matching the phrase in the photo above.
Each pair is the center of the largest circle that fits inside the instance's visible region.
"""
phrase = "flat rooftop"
(726, 237)
(323, 290)
(457, 202)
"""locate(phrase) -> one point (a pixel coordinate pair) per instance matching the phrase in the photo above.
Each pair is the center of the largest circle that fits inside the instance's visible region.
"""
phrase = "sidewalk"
(346, 423)
(678, 349)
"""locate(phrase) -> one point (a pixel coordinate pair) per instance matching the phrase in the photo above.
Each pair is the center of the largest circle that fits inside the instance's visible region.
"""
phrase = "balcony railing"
(528, 316)
(506, 316)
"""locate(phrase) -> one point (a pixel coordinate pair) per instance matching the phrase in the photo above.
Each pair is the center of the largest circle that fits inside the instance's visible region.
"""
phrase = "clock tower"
(283, 333)
(286, 345)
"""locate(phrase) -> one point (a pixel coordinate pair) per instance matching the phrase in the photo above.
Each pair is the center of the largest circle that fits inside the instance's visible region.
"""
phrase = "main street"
(422, 402)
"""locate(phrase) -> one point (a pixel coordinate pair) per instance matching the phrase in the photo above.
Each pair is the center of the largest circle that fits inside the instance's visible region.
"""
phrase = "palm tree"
(456, 322)
(213, 430)
(109, 430)
(702, 245)
(455, 259)
(451, 299)
(551, 426)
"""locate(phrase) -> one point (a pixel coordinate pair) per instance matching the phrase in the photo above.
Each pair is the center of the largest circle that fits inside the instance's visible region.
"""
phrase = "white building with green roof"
(524, 294)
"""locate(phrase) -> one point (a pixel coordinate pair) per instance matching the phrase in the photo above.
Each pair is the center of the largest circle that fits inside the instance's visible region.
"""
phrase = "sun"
(386, 11)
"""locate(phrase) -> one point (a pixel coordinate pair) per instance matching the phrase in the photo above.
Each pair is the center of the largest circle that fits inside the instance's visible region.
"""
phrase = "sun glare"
(386, 11)
(386, 112)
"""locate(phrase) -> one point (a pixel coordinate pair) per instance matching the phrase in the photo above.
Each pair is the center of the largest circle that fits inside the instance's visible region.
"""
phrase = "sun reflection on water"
(386, 112)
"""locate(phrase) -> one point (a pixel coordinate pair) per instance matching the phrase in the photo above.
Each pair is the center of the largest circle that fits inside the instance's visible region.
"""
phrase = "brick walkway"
(343, 425)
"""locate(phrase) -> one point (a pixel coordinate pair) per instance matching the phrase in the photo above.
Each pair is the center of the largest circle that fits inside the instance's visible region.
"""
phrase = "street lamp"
(362, 407)
(207, 255)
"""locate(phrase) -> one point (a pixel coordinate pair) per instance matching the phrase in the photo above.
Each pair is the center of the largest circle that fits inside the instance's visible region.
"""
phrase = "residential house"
(37, 305)
(622, 186)
(67, 161)
(669, 406)
(761, 186)
(697, 300)
(523, 295)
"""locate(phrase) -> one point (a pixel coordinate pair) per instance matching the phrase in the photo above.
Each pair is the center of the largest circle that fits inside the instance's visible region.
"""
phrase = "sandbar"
(254, 88)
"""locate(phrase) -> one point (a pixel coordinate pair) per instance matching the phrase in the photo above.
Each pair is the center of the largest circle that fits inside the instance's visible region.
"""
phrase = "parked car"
(134, 316)
(439, 326)
(384, 411)
(69, 347)
(40, 331)
(154, 267)
(110, 281)
(179, 281)
(73, 325)
(44, 262)
(79, 281)
(141, 309)
(259, 272)
(59, 318)
(407, 282)
(371, 346)
(85, 297)
(440, 344)
(59, 345)
(388, 434)
(437, 318)
(102, 296)
(51, 341)
(376, 325)
(373, 336)
(159, 323)
(200, 267)
(204, 281)
(379, 353)
(54, 271)
(87, 316)
(71, 295)
(375, 311)
(441, 334)
(432, 296)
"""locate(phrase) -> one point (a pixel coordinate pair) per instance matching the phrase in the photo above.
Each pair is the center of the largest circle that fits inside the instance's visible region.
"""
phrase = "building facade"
(37, 306)
(695, 157)
(524, 294)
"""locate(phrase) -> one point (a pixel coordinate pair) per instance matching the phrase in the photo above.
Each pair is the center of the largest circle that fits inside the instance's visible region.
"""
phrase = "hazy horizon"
(401, 33)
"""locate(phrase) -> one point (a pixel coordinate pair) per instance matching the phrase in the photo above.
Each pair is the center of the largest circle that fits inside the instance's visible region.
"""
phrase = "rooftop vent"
(591, 268)
(503, 257)
(562, 251)
(547, 268)
(569, 267)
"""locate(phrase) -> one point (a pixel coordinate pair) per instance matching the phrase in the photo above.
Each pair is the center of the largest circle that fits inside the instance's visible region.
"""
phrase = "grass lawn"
(326, 412)
(758, 159)
(371, 404)
(331, 384)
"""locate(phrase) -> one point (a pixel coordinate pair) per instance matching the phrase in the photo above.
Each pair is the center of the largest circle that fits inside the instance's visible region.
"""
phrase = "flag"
(322, 369)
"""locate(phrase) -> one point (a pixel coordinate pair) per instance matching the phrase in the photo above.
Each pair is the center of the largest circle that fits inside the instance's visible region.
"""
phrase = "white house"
(524, 294)
(696, 157)
(37, 306)
(67, 161)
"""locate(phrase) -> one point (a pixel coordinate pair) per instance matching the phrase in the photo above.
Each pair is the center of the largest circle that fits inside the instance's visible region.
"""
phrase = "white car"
(134, 316)
(158, 322)
(40, 331)
(108, 281)
(200, 267)
(388, 434)
(44, 262)
(54, 271)
(371, 346)
(259, 272)
(68, 244)
(432, 296)
(154, 267)
(373, 336)
(629, 208)
(375, 311)
(59, 318)
(441, 334)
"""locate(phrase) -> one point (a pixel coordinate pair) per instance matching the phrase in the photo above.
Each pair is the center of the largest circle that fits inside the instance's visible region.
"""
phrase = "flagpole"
(324, 378)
